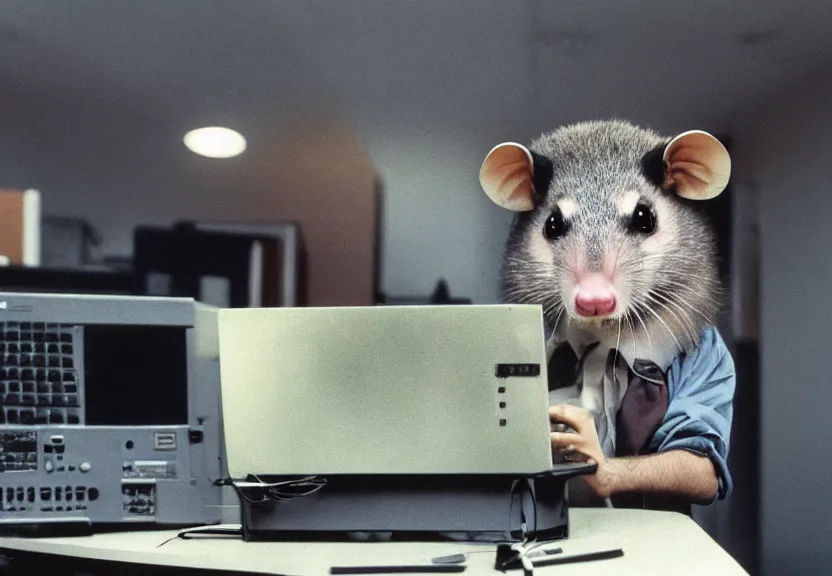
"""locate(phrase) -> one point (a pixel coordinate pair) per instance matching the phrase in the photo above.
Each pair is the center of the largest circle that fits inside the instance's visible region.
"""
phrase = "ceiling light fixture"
(215, 142)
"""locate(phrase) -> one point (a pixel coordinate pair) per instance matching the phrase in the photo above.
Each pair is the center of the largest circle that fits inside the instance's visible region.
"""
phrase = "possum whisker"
(687, 275)
(647, 307)
(674, 288)
(644, 264)
(555, 329)
(690, 332)
(527, 296)
(673, 302)
(665, 273)
(617, 257)
(518, 260)
(617, 344)
(685, 311)
(548, 305)
(678, 257)
(646, 331)
(710, 298)
(632, 331)
(669, 276)
(533, 293)
(706, 297)
(682, 302)
(551, 308)
(674, 256)
(657, 293)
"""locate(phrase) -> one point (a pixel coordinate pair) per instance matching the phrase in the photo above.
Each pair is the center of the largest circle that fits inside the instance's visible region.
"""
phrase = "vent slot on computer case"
(40, 383)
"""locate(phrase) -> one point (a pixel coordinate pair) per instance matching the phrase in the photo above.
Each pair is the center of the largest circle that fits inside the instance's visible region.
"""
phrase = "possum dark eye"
(643, 220)
(555, 226)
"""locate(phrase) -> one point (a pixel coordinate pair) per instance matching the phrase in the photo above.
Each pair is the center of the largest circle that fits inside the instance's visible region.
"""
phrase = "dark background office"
(365, 125)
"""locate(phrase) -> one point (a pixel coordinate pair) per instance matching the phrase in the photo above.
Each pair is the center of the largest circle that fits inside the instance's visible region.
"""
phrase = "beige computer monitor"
(383, 390)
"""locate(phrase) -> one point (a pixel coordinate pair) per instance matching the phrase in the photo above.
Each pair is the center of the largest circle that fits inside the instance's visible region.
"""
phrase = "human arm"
(675, 472)
(700, 413)
(689, 451)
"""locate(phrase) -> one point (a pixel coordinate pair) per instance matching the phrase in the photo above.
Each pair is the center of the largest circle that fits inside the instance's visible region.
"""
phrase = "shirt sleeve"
(701, 387)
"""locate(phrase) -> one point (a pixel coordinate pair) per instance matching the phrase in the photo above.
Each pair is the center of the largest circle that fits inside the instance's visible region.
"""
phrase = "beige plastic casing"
(383, 390)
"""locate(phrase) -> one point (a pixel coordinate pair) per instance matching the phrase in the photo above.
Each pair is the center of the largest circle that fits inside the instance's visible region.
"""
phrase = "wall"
(782, 150)
(422, 95)
(429, 92)
(119, 164)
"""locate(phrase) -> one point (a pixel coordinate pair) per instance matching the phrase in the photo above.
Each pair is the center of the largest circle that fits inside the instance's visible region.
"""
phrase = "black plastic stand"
(481, 508)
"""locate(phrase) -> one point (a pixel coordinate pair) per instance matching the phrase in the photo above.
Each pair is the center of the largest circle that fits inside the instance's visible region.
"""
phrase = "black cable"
(213, 529)
(255, 491)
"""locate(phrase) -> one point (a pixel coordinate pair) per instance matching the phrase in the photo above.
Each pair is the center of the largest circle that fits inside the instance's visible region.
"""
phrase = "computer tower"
(109, 410)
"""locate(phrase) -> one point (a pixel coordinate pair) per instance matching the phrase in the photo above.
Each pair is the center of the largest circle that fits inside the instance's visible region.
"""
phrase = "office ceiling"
(710, 61)
(178, 64)
(249, 60)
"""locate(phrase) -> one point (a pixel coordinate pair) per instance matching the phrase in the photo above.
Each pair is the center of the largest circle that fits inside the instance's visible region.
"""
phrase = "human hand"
(582, 444)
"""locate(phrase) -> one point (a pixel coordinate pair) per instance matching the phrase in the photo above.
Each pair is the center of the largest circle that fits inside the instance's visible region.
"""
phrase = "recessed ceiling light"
(215, 142)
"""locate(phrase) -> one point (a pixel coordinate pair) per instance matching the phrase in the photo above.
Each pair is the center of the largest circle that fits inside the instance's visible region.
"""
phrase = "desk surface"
(659, 543)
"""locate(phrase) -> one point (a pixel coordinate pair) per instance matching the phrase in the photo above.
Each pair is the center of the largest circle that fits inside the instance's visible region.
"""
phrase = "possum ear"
(697, 165)
(507, 177)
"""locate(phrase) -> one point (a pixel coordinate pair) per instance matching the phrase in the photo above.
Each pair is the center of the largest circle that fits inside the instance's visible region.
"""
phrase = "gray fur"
(594, 163)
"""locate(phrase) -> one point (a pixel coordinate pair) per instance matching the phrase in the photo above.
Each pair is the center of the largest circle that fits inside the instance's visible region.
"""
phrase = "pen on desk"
(586, 557)
(419, 568)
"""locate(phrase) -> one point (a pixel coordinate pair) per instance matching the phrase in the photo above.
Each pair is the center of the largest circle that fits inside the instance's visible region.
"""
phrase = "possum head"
(602, 237)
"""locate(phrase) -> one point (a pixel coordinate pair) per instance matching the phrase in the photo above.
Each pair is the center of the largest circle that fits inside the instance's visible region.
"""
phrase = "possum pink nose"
(594, 305)
(595, 297)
